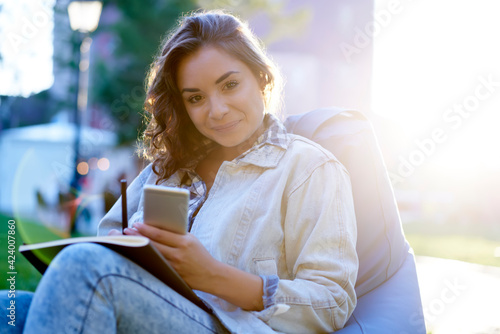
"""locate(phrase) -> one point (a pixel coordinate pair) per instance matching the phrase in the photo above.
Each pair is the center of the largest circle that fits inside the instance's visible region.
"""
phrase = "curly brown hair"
(171, 140)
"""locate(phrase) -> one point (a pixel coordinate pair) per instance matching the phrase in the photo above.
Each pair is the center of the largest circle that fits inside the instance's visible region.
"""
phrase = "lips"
(226, 127)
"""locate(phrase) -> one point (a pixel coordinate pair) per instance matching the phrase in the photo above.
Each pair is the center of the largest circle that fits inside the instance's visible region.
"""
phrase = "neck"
(230, 153)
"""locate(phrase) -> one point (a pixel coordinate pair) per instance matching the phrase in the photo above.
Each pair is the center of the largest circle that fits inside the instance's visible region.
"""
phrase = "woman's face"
(222, 97)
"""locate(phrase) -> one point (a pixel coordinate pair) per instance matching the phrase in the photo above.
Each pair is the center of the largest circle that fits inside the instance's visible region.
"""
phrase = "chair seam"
(382, 209)
(360, 327)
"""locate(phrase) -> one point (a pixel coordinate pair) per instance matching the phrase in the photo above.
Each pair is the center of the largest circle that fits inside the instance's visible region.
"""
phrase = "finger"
(157, 234)
(166, 251)
(131, 231)
(114, 232)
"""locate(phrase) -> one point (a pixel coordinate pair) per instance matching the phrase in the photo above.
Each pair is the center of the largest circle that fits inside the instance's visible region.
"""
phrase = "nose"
(218, 108)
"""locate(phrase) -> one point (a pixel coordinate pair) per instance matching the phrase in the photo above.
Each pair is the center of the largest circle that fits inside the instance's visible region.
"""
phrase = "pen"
(124, 204)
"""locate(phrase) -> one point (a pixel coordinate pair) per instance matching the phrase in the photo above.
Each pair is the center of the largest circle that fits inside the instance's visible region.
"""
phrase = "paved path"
(459, 297)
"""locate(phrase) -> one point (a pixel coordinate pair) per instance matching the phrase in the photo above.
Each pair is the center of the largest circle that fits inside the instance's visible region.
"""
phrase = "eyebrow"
(222, 77)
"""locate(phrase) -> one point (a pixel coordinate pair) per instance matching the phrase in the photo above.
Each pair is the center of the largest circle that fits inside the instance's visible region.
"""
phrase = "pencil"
(124, 204)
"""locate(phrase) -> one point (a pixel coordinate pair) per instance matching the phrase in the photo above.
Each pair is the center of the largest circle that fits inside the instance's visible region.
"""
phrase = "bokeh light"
(83, 168)
(93, 163)
(103, 164)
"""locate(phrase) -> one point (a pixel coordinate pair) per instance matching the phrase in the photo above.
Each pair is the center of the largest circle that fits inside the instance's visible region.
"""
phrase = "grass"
(27, 276)
(474, 244)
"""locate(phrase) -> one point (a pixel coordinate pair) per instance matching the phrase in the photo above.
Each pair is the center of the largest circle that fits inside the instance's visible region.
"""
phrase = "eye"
(231, 84)
(195, 99)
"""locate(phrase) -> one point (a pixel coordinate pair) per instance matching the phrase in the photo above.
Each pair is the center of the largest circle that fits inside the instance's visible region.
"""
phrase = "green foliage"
(282, 23)
(118, 80)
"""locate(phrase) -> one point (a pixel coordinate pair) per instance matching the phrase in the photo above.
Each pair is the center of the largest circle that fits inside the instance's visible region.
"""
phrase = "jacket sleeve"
(113, 219)
(320, 253)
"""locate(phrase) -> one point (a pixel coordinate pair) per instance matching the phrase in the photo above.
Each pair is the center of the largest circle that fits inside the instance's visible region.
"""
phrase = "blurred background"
(426, 73)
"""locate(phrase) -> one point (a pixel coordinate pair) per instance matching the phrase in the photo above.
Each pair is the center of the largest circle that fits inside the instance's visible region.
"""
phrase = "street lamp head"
(84, 15)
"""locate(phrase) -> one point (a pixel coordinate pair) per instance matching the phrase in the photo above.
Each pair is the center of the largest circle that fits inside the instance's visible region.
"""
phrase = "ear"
(263, 82)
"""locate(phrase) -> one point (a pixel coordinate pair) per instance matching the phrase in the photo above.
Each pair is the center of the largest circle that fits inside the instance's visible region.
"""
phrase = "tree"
(118, 78)
(283, 23)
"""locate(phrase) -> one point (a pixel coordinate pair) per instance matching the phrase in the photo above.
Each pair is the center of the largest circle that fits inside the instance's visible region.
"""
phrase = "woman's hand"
(201, 271)
(185, 253)
(114, 232)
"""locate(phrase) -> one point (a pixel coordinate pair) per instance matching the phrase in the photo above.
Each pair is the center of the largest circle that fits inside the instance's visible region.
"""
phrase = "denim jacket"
(284, 212)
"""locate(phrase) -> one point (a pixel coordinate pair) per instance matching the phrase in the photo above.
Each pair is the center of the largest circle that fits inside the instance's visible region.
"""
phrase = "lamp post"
(84, 18)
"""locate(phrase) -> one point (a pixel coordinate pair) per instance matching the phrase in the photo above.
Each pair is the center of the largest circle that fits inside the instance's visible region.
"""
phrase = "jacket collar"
(269, 147)
(266, 152)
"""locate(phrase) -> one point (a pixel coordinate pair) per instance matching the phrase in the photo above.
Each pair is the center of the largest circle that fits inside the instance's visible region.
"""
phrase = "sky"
(26, 46)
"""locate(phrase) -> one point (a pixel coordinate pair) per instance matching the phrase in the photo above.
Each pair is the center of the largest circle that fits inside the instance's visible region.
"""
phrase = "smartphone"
(166, 208)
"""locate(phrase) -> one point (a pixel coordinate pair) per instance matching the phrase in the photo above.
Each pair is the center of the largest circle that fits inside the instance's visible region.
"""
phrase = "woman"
(272, 229)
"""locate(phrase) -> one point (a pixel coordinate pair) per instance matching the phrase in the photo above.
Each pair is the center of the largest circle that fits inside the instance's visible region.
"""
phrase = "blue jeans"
(91, 289)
